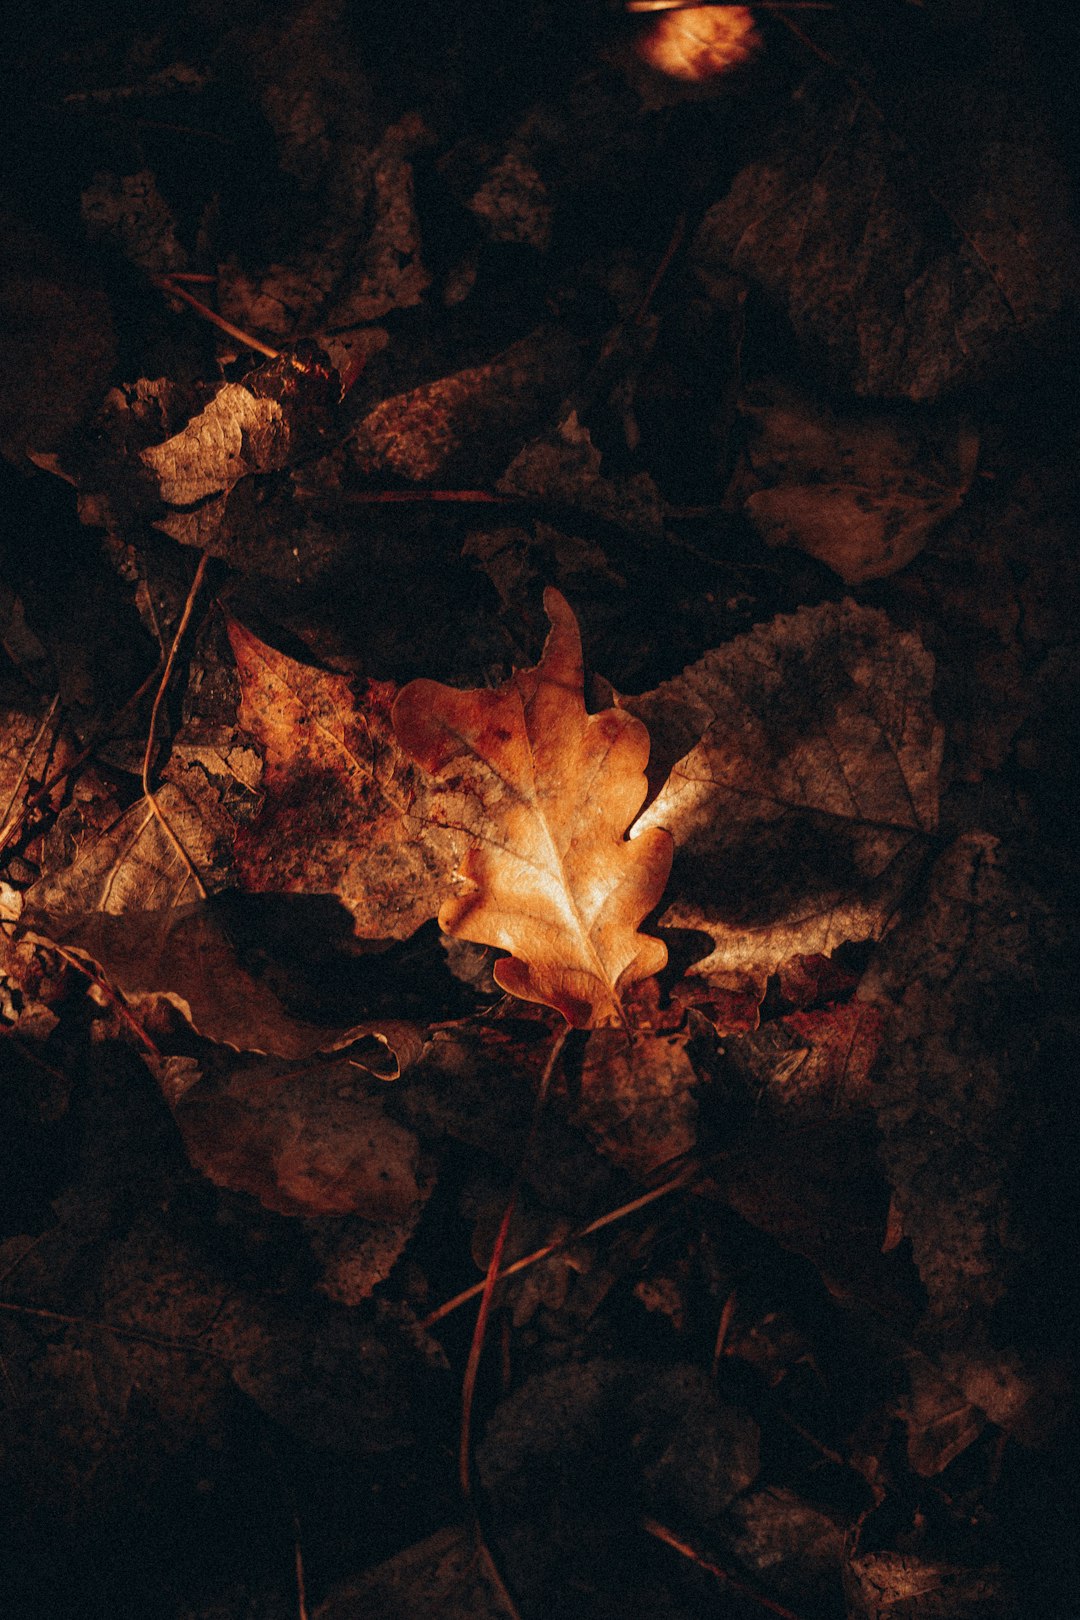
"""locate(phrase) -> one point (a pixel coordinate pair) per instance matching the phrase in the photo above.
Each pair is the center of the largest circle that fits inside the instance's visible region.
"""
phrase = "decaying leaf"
(546, 793)
(863, 493)
(255, 426)
(638, 1100)
(513, 202)
(567, 1449)
(467, 426)
(959, 984)
(916, 239)
(563, 469)
(804, 762)
(346, 812)
(443, 1575)
(309, 1141)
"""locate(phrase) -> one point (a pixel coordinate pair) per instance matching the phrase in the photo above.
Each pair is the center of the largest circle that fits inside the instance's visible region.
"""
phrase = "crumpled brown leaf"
(546, 795)
(465, 427)
(863, 493)
(804, 761)
(255, 426)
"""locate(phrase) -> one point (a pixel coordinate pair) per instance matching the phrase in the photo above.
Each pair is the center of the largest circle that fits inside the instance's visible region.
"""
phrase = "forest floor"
(363, 373)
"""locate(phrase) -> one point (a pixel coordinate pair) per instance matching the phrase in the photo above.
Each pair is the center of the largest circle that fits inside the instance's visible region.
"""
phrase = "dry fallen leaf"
(547, 793)
(563, 469)
(862, 493)
(466, 426)
(251, 427)
(915, 241)
(345, 811)
(313, 1140)
(130, 903)
(804, 761)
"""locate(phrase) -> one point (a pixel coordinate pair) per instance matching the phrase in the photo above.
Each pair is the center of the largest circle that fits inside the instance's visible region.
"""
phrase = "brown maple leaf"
(546, 794)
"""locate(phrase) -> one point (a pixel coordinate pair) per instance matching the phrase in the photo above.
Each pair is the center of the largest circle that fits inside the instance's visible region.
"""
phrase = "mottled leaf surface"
(804, 761)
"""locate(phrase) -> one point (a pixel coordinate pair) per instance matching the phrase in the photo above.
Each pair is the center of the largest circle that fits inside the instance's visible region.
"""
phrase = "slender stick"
(654, 1528)
(476, 1349)
(185, 619)
(114, 997)
(140, 1335)
(683, 1179)
(166, 284)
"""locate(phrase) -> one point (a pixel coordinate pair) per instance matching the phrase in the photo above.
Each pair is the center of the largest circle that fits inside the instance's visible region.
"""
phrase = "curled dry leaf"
(545, 794)
(804, 777)
(256, 426)
(861, 493)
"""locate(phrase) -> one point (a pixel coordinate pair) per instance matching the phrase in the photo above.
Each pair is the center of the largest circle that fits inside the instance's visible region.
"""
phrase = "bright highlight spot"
(700, 41)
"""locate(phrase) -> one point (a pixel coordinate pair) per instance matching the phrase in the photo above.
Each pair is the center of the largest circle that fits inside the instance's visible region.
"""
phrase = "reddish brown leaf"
(313, 1141)
(346, 812)
(546, 793)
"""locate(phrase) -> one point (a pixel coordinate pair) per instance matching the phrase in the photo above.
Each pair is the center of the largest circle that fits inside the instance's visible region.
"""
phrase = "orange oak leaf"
(546, 793)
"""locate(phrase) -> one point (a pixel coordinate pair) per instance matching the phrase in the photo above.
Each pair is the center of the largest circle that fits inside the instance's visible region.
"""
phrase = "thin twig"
(114, 998)
(140, 1335)
(493, 1573)
(476, 1349)
(301, 1586)
(723, 1329)
(185, 618)
(683, 1179)
(654, 1528)
(674, 244)
(166, 284)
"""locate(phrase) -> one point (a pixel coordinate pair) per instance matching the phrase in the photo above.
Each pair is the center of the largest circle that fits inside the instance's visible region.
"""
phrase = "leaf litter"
(784, 1317)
